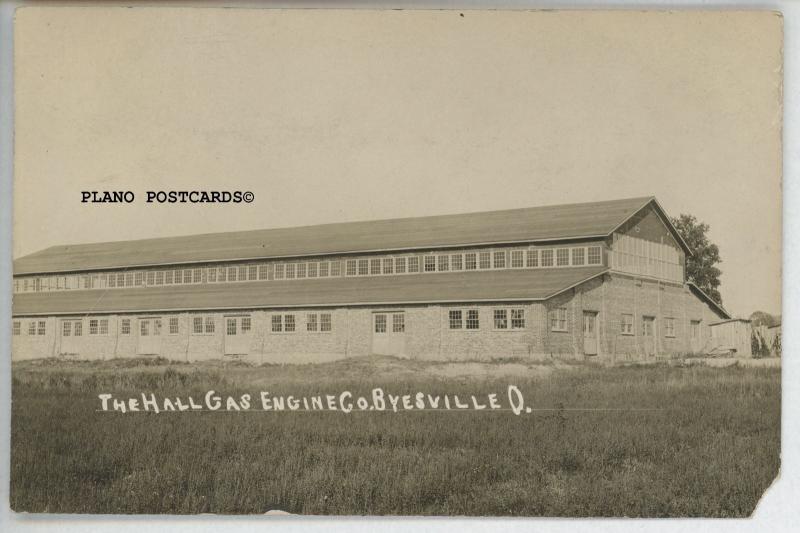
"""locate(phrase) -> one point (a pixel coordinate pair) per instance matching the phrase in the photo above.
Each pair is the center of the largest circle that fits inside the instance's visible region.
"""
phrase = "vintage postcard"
(375, 262)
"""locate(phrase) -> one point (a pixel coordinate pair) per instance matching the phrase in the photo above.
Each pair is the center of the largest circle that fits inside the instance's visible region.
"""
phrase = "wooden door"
(149, 342)
(389, 333)
(649, 335)
(71, 335)
(590, 334)
(237, 335)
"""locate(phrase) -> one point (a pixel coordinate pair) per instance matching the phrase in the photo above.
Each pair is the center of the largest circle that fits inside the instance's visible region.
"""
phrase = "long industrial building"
(600, 281)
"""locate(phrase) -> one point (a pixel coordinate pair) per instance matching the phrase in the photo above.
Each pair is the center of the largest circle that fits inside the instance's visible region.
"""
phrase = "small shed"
(732, 336)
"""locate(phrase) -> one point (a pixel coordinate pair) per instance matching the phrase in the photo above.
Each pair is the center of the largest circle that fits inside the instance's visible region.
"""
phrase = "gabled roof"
(464, 287)
(533, 224)
(703, 296)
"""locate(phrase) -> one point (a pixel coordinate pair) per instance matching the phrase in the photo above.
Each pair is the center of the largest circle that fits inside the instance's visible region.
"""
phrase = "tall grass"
(708, 445)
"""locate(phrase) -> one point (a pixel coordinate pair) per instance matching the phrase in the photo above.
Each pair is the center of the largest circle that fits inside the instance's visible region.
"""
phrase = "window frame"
(556, 319)
(623, 329)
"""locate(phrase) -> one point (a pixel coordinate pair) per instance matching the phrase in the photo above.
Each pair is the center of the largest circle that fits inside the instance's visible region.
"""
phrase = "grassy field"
(696, 441)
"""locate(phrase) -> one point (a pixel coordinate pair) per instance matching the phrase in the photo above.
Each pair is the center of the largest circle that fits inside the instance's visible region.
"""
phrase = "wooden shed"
(732, 336)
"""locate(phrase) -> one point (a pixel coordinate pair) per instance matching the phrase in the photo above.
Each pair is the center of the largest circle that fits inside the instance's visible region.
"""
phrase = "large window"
(558, 319)
(562, 257)
(500, 259)
(473, 319)
(547, 257)
(351, 267)
(398, 323)
(509, 319)
(400, 265)
(363, 267)
(325, 322)
(374, 266)
(413, 264)
(594, 255)
(288, 323)
(455, 318)
(470, 261)
(443, 263)
(578, 257)
(430, 263)
(500, 319)
(517, 259)
(485, 260)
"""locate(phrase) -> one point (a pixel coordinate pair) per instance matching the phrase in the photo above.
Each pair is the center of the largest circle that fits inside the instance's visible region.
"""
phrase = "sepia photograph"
(396, 262)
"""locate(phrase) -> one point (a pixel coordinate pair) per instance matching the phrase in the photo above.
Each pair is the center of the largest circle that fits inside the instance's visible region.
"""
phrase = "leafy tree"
(700, 267)
(760, 318)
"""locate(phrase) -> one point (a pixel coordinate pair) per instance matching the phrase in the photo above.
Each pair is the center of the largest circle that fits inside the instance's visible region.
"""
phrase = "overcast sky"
(331, 116)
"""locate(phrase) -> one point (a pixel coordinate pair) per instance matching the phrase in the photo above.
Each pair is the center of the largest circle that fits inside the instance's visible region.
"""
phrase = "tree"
(700, 267)
(761, 318)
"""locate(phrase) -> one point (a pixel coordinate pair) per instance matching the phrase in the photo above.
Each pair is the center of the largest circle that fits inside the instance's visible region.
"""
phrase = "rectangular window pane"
(430, 263)
(517, 319)
(311, 322)
(351, 267)
(413, 264)
(290, 270)
(456, 262)
(77, 328)
(246, 324)
(325, 323)
(517, 259)
(125, 328)
(210, 326)
(532, 257)
(400, 265)
(363, 267)
(288, 323)
(32, 327)
(485, 260)
(301, 270)
(336, 268)
(230, 327)
(577, 256)
(627, 324)
(66, 328)
(311, 270)
(593, 255)
(187, 275)
(455, 319)
(197, 325)
(243, 273)
(324, 268)
(151, 278)
(388, 266)
(16, 327)
(499, 259)
(472, 322)
(138, 279)
(173, 325)
(252, 272)
(398, 323)
(547, 257)
(41, 329)
(380, 323)
(263, 271)
(375, 266)
(562, 257)
(276, 324)
(470, 261)
(500, 319)
(103, 326)
(443, 263)
(144, 328)
(279, 271)
(160, 277)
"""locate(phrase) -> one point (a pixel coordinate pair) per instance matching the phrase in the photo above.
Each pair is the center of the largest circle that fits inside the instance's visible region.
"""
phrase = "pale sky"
(330, 116)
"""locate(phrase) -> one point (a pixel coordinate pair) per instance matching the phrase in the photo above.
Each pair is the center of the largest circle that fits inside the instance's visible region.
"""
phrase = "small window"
(547, 257)
(151, 278)
(66, 328)
(593, 255)
(41, 330)
(312, 270)
(16, 327)
(290, 270)
(500, 319)
(77, 328)
(398, 323)
(470, 261)
(456, 262)
(230, 327)
(669, 327)
(197, 275)
(178, 277)
(380, 323)
(694, 327)
(500, 259)
(160, 277)
(32, 327)
(647, 326)
(112, 281)
(242, 272)
(138, 279)
(311, 322)
(388, 265)
(103, 326)
(351, 267)
(187, 275)
(363, 267)
(222, 274)
(252, 272)
(443, 263)
(263, 272)
(197, 325)
(277, 324)
(301, 270)
(558, 319)
(413, 264)
(325, 322)
(144, 328)
(168, 277)
(473, 320)
(279, 271)
(517, 319)
(324, 269)
(627, 324)
(485, 260)
(400, 265)
(517, 259)
(210, 326)
(578, 258)
(562, 257)
(430, 263)
(128, 279)
(455, 319)
(173, 325)
(375, 266)
(336, 268)
(125, 327)
(288, 323)
(245, 323)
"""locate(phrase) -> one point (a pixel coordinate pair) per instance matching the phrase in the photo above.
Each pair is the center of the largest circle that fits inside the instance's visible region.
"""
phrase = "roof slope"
(499, 285)
(556, 222)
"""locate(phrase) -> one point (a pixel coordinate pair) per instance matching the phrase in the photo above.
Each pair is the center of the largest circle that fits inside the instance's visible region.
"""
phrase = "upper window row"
(361, 266)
